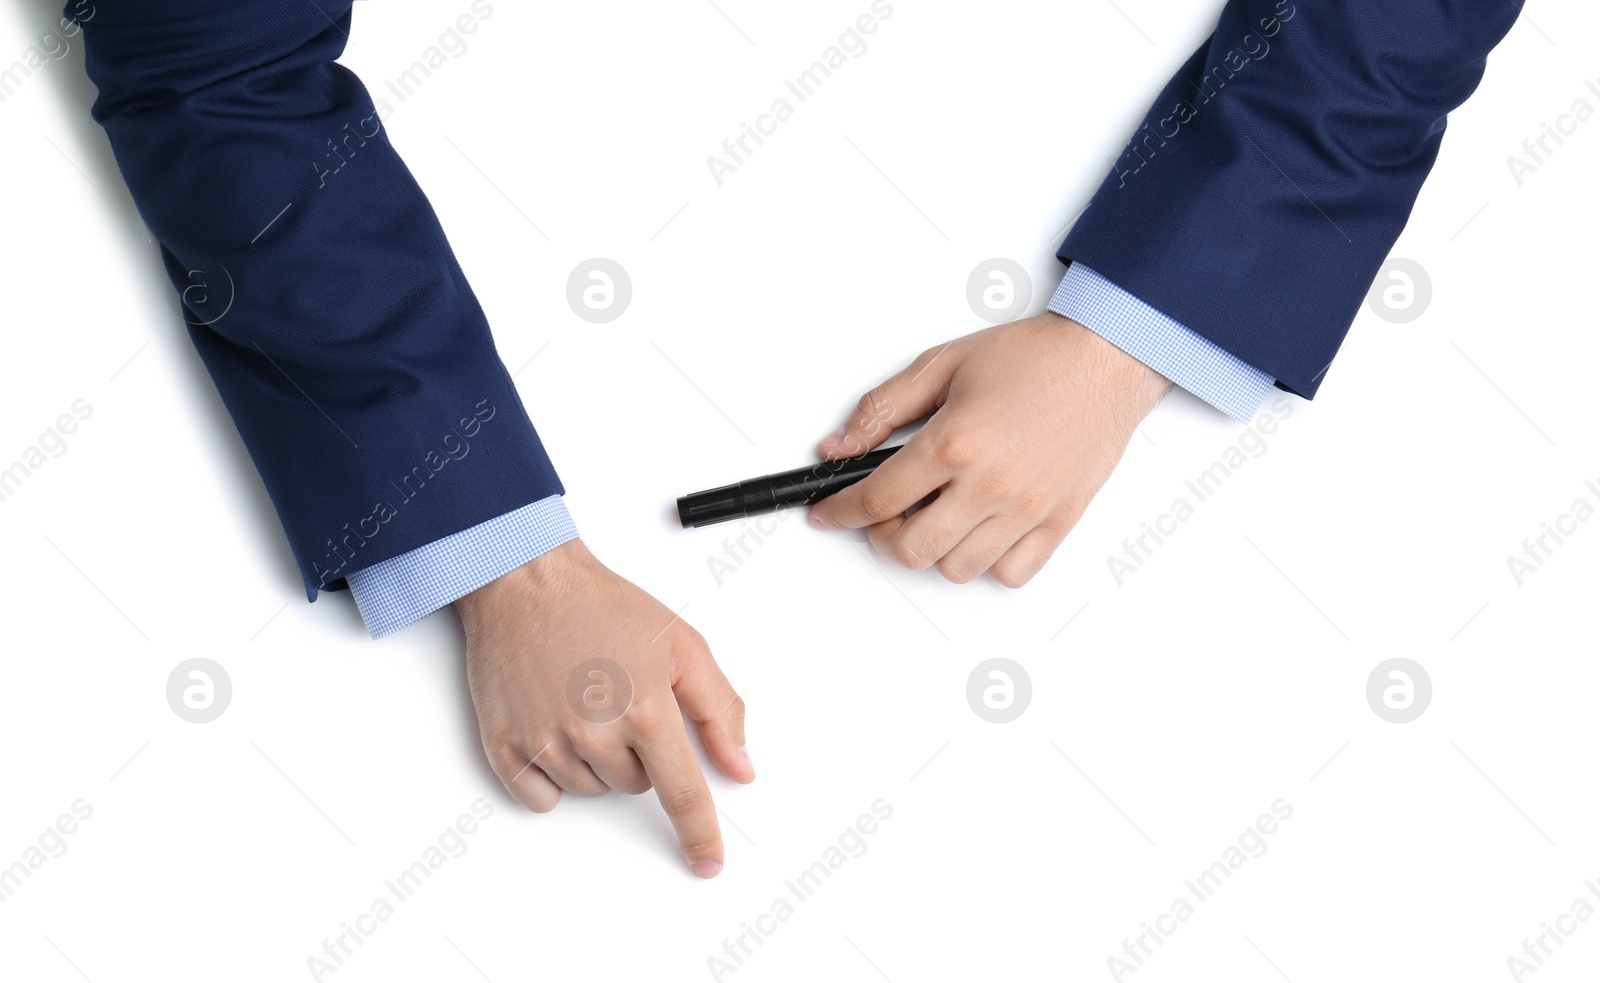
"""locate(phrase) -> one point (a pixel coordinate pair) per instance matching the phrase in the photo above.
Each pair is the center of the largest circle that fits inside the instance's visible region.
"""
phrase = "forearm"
(351, 352)
(1276, 169)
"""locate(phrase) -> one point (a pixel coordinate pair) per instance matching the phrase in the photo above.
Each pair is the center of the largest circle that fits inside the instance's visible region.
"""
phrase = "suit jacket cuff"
(394, 593)
(1190, 360)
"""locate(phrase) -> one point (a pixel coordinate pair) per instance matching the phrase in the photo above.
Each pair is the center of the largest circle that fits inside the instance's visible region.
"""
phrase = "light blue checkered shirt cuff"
(1190, 360)
(400, 590)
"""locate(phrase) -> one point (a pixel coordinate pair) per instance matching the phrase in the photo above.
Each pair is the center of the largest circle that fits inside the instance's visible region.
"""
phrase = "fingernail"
(817, 521)
(744, 759)
(706, 868)
(833, 439)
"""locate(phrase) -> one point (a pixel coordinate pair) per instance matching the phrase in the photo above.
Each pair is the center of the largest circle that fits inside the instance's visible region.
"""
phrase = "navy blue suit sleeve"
(316, 281)
(1274, 172)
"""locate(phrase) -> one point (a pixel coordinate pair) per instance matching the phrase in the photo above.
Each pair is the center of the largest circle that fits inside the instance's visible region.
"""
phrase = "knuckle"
(1059, 524)
(876, 507)
(545, 747)
(958, 571)
(647, 716)
(1055, 524)
(1012, 576)
(1032, 502)
(692, 639)
(909, 556)
(998, 481)
(956, 450)
(682, 801)
(867, 407)
(588, 739)
(735, 710)
(503, 755)
(698, 847)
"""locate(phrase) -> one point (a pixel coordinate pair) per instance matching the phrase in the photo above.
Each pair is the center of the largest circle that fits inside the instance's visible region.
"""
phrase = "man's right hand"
(1028, 419)
(578, 677)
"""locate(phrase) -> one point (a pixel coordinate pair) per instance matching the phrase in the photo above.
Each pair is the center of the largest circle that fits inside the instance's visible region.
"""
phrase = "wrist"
(1119, 373)
(549, 575)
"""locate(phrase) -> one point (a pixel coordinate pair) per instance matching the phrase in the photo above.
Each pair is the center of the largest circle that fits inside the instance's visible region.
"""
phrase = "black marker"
(758, 496)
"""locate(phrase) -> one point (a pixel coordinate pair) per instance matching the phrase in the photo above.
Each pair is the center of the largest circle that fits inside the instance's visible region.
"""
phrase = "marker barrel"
(758, 496)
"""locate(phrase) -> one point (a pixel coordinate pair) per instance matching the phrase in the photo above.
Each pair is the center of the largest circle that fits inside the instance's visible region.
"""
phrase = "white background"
(1228, 672)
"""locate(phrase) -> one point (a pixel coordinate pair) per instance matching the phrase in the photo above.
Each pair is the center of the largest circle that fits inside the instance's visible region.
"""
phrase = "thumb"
(907, 396)
(709, 699)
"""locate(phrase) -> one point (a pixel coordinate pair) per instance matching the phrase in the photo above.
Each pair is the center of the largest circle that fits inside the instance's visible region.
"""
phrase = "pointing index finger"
(670, 762)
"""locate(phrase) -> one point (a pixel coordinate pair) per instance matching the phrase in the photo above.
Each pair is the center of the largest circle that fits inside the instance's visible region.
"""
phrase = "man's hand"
(578, 676)
(1029, 419)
